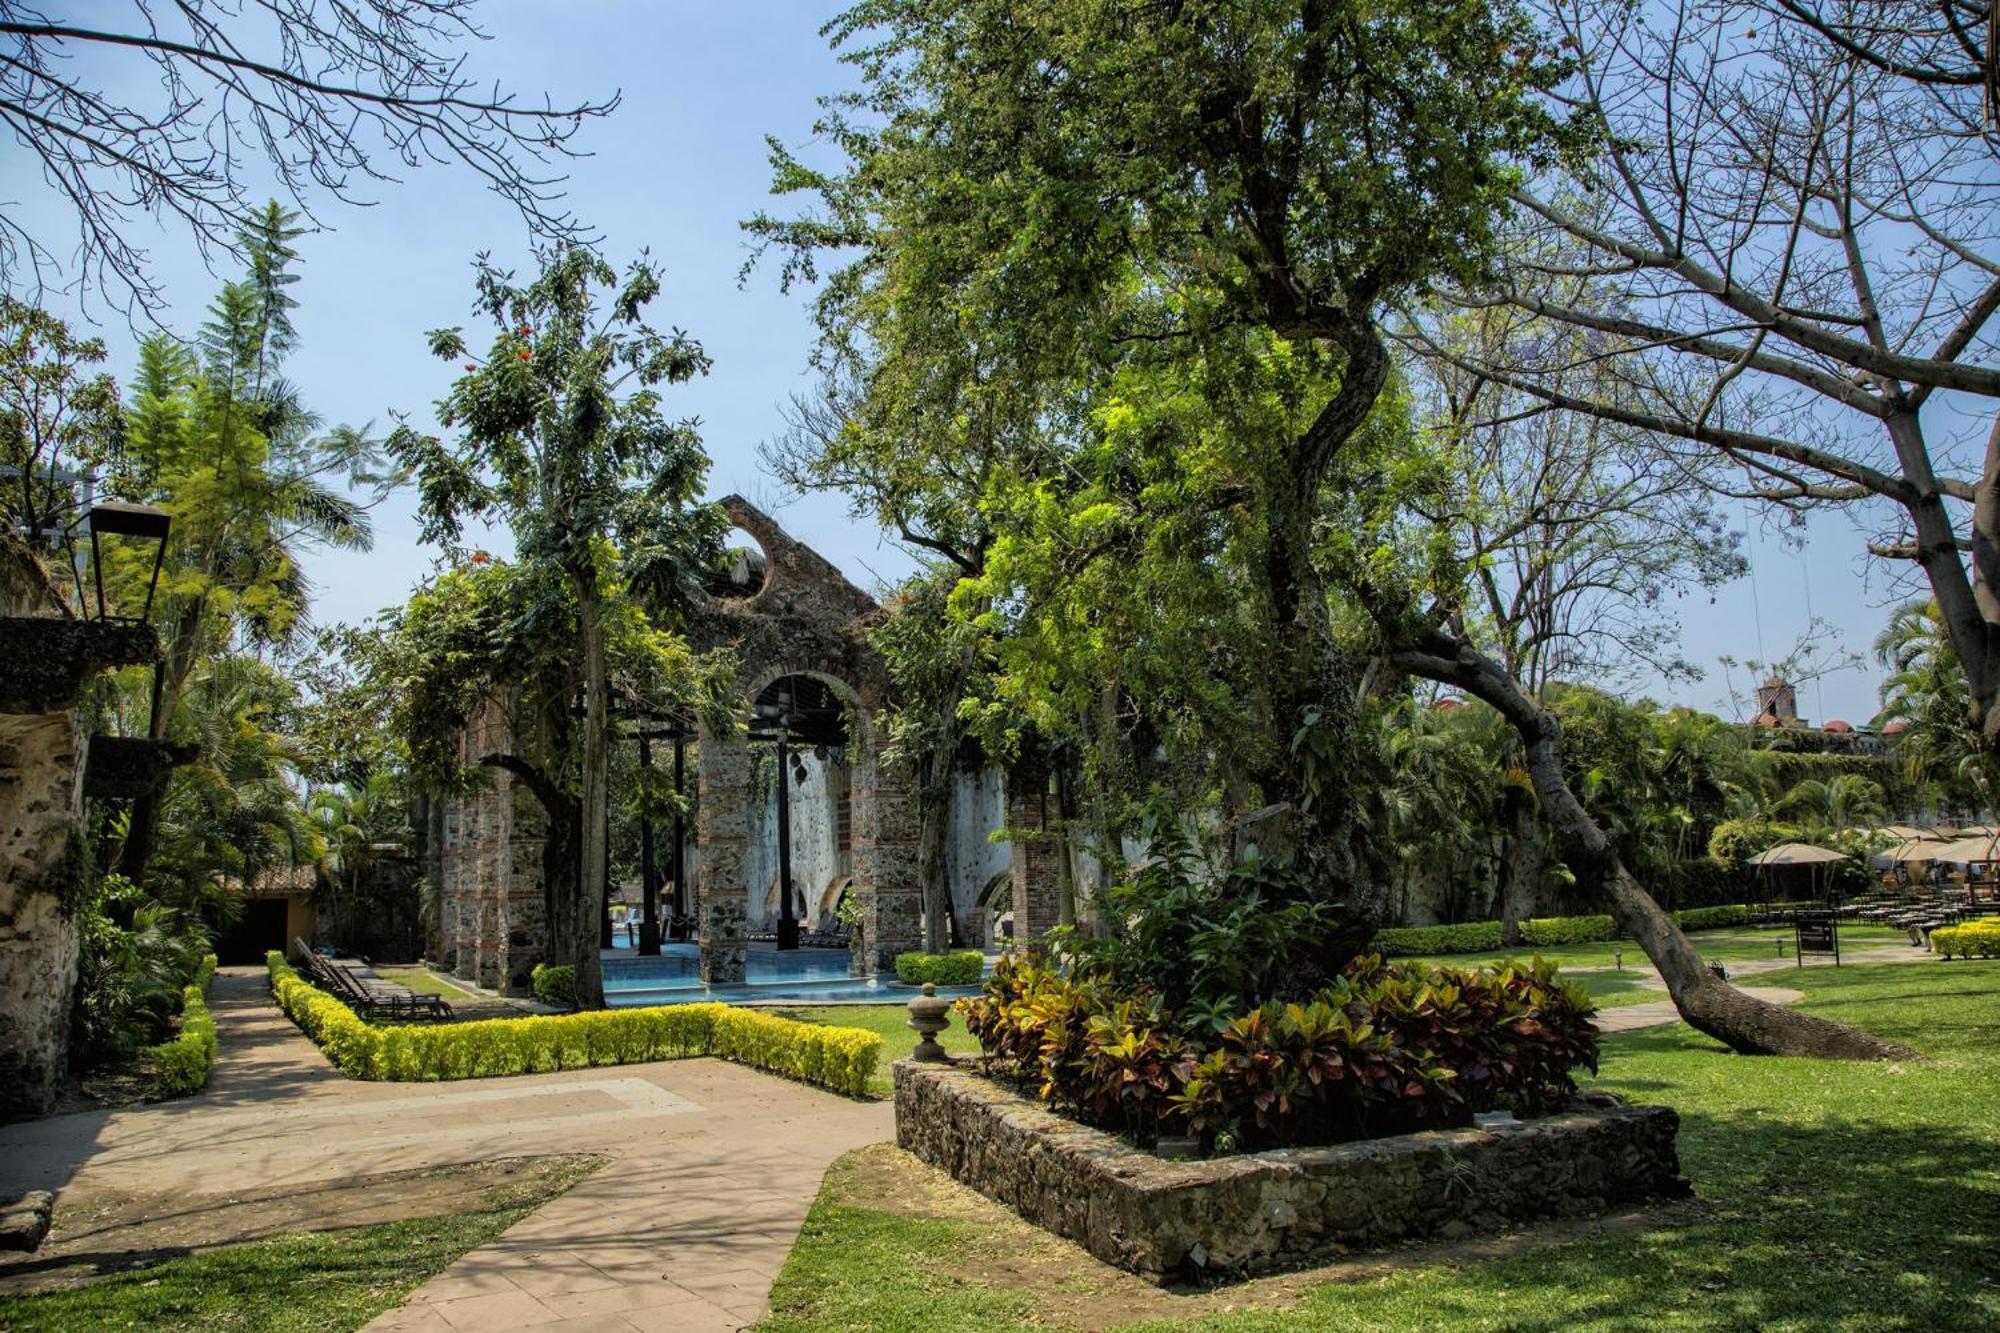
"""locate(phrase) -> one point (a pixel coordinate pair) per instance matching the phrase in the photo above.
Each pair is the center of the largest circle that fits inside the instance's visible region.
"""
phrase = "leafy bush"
(1546, 933)
(554, 985)
(1384, 1048)
(1257, 932)
(1415, 941)
(1713, 918)
(1974, 939)
(1555, 931)
(181, 1066)
(842, 1059)
(136, 957)
(961, 967)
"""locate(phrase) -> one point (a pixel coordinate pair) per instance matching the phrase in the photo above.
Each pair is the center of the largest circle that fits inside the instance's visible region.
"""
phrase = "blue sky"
(675, 170)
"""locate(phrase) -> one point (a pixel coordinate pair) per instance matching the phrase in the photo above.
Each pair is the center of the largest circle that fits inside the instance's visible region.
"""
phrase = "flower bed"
(1179, 1220)
(181, 1066)
(1974, 939)
(1385, 1048)
(841, 1059)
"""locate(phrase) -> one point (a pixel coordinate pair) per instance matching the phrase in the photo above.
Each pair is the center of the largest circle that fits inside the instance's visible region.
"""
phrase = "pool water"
(794, 976)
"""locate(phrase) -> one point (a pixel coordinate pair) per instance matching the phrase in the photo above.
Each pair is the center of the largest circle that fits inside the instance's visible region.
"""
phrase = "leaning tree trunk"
(1708, 1003)
(587, 904)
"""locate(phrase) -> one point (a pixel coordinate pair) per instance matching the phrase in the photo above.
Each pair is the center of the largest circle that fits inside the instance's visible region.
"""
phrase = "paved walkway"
(712, 1170)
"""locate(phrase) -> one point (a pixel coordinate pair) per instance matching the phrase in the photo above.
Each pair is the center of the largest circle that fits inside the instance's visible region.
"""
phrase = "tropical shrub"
(1974, 939)
(961, 967)
(843, 1059)
(554, 985)
(181, 1066)
(136, 957)
(1384, 1048)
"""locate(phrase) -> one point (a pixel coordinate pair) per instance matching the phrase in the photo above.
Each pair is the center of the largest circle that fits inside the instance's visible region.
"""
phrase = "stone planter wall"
(1174, 1221)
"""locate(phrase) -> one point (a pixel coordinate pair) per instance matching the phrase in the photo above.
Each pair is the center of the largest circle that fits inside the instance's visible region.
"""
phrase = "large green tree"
(1164, 241)
(561, 435)
(1042, 196)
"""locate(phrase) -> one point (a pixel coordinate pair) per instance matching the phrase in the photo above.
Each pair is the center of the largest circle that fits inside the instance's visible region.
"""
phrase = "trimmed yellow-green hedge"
(1541, 933)
(181, 1066)
(961, 967)
(1974, 939)
(842, 1059)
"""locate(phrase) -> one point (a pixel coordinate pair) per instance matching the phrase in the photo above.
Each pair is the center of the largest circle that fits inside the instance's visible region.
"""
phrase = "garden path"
(712, 1169)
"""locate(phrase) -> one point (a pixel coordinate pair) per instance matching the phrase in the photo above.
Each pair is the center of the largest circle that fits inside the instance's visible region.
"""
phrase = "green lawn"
(308, 1282)
(1832, 1196)
(423, 981)
(1742, 945)
(892, 1023)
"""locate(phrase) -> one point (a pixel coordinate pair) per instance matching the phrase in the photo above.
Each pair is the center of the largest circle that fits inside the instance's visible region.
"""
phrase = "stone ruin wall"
(46, 658)
(41, 804)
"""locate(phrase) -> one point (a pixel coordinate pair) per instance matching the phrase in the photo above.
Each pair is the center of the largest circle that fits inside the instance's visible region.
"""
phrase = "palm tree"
(217, 438)
(1938, 746)
(1836, 804)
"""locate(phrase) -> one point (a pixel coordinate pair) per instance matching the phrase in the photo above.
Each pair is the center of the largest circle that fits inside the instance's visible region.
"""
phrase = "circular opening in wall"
(741, 570)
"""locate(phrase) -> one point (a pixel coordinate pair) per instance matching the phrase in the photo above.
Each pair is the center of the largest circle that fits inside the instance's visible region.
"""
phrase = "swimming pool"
(794, 976)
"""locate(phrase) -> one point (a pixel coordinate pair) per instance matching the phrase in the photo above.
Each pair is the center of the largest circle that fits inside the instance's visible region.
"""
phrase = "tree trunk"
(1313, 790)
(587, 903)
(935, 777)
(1707, 1002)
(1527, 841)
(562, 882)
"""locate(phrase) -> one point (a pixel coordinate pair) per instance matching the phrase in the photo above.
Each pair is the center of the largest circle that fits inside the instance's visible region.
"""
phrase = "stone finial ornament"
(930, 1015)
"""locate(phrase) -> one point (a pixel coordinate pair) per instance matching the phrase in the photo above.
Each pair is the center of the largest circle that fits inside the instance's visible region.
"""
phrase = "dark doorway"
(259, 930)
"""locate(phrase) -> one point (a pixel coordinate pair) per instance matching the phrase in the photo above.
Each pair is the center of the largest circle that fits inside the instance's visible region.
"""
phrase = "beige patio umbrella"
(1914, 852)
(1969, 851)
(1903, 832)
(1796, 854)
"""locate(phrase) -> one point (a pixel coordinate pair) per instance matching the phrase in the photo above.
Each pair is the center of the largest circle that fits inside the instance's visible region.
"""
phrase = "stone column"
(41, 877)
(722, 833)
(1035, 856)
(888, 868)
(524, 917)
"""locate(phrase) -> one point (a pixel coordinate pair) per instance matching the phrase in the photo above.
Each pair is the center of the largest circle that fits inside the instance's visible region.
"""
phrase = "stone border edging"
(1171, 1221)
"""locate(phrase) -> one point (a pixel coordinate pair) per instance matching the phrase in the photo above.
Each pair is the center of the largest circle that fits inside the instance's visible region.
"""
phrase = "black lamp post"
(120, 518)
(680, 733)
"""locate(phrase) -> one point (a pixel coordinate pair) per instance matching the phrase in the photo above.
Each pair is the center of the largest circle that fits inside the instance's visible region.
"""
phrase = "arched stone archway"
(805, 620)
